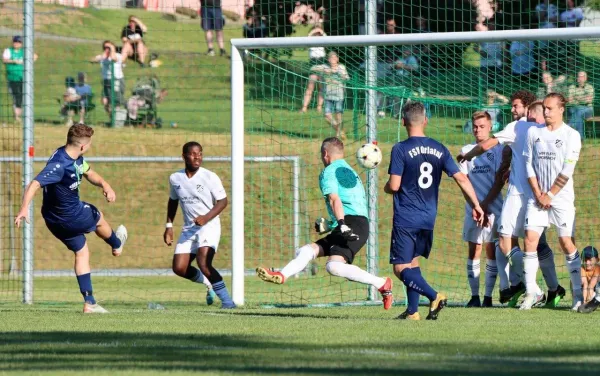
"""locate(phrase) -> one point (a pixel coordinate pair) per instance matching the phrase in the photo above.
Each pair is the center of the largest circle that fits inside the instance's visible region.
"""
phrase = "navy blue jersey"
(60, 180)
(420, 162)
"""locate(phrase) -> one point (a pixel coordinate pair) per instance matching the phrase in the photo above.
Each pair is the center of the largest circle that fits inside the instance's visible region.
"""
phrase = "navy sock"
(221, 291)
(413, 278)
(413, 298)
(113, 241)
(85, 287)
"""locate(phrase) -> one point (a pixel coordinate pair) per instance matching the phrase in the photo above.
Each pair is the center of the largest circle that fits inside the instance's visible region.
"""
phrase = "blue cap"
(17, 39)
(589, 252)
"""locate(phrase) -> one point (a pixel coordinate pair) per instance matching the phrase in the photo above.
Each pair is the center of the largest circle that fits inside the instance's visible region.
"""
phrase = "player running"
(346, 203)
(512, 218)
(551, 154)
(66, 216)
(415, 170)
(486, 174)
(202, 198)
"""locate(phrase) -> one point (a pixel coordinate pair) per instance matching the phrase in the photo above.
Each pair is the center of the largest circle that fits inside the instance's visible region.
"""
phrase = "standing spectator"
(133, 43)
(13, 60)
(546, 11)
(335, 75)
(317, 57)
(113, 80)
(254, 26)
(491, 59)
(544, 52)
(581, 97)
(406, 69)
(550, 85)
(573, 16)
(423, 52)
(212, 20)
(590, 273)
(522, 59)
(391, 53)
(492, 107)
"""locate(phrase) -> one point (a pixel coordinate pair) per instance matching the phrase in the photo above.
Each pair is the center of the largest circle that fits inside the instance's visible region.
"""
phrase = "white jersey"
(196, 195)
(547, 152)
(482, 173)
(515, 135)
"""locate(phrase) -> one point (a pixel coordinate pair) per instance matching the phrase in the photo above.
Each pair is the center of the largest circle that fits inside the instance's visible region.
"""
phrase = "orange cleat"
(386, 293)
(269, 276)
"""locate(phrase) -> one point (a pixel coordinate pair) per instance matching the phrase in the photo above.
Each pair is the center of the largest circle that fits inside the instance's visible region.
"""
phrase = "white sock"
(531, 265)
(491, 271)
(200, 278)
(574, 267)
(515, 257)
(546, 258)
(502, 267)
(473, 271)
(353, 273)
(304, 255)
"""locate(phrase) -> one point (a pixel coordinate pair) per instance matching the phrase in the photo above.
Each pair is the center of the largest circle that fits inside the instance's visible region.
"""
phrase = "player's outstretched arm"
(499, 179)
(465, 185)
(219, 206)
(171, 212)
(393, 184)
(479, 149)
(97, 180)
(27, 197)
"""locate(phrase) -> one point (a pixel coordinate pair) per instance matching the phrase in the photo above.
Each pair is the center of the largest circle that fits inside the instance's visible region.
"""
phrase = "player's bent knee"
(308, 251)
(333, 267)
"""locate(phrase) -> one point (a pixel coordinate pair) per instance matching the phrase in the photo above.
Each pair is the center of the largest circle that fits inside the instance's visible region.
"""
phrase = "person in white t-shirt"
(317, 56)
(551, 154)
(202, 198)
(512, 218)
(113, 80)
(486, 176)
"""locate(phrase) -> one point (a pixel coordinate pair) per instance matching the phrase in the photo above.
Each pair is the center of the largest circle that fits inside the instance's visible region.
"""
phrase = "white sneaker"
(576, 305)
(121, 234)
(93, 308)
(381, 114)
(531, 300)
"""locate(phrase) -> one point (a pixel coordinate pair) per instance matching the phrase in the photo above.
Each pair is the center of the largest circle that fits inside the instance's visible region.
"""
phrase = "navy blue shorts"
(212, 18)
(408, 243)
(72, 233)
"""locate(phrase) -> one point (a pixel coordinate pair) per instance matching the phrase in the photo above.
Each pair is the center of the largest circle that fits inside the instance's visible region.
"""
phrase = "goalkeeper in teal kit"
(346, 203)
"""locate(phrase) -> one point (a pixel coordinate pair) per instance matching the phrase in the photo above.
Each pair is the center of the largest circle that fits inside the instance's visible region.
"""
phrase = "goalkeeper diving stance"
(346, 203)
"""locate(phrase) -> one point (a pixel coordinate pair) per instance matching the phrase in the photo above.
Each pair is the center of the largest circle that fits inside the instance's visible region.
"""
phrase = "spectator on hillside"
(13, 60)
(492, 106)
(581, 99)
(113, 80)
(550, 85)
(590, 273)
(522, 58)
(76, 98)
(317, 56)
(406, 69)
(391, 53)
(133, 41)
(572, 16)
(254, 26)
(492, 55)
(544, 52)
(212, 21)
(546, 11)
(423, 51)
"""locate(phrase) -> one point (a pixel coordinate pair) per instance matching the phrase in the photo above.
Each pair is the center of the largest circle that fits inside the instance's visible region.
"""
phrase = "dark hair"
(69, 82)
(189, 145)
(332, 142)
(480, 115)
(526, 97)
(78, 132)
(413, 113)
(105, 42)
(562, 101)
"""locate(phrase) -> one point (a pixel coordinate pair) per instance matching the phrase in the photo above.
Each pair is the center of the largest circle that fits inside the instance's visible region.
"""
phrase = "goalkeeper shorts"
(334, 243)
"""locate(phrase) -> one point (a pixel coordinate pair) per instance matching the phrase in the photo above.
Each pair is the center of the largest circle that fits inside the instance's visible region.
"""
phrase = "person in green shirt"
(13, 60)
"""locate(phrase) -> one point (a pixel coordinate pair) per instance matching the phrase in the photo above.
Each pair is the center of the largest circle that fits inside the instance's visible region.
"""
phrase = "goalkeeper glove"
(346, 231)
(322, 226)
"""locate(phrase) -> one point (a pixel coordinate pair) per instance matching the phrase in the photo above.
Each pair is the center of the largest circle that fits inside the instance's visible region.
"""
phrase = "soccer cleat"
(474, 302)
(576, 305)
(93, 308)
(589, 307)
(516, 292)
(210, 296)
(269, 276)
(121, 234)
(386, 293)
(530, 301)
(505, 295)
(554, 297)
(436, 306)
(211, 52)
(228, 306)
(487, 302)
(407, 316)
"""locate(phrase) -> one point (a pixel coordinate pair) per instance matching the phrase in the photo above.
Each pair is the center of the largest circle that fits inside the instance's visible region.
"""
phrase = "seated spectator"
(407, 66)
(551, 85)
(254, 26)
(581, 99)
(571, 17)
(133, 41)
(69, 98)
(590, 273)
(317, 56)
(76, 99)
(423, 51)
(146, 94)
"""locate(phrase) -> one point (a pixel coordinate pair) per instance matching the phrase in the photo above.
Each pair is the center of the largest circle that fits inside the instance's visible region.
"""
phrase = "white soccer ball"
(369, 156)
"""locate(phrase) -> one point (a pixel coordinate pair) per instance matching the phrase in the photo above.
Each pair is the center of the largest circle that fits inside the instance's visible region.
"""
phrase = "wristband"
(340, 222)
(550, 194)
(168, 225)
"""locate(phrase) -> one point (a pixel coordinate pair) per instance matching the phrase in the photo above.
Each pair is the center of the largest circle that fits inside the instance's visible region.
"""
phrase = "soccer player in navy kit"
(66, 216)
(415, 171)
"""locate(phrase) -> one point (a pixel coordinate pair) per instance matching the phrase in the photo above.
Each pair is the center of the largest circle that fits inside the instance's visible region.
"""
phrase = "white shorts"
(479, 235)
(512, 218)
(195, 237)
(561, 215)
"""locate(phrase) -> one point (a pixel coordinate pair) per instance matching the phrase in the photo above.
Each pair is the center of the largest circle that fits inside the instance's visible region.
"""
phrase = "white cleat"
(530, 301)
(121, 234)
(93, 308)
(576, 305)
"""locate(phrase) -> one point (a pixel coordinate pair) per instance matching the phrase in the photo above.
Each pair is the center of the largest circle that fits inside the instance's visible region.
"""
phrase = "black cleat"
(554, 297)
(589, 307)
(505, 295)
(487, 302)
(407, 316)
(516, 291)
(436, 306)
(474, 302)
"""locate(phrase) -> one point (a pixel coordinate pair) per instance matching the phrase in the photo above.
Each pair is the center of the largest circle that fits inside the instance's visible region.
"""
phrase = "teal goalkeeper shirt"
(341, 179)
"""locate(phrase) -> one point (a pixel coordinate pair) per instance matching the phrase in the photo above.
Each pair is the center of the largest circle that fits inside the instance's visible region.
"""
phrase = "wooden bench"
(592, 127)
